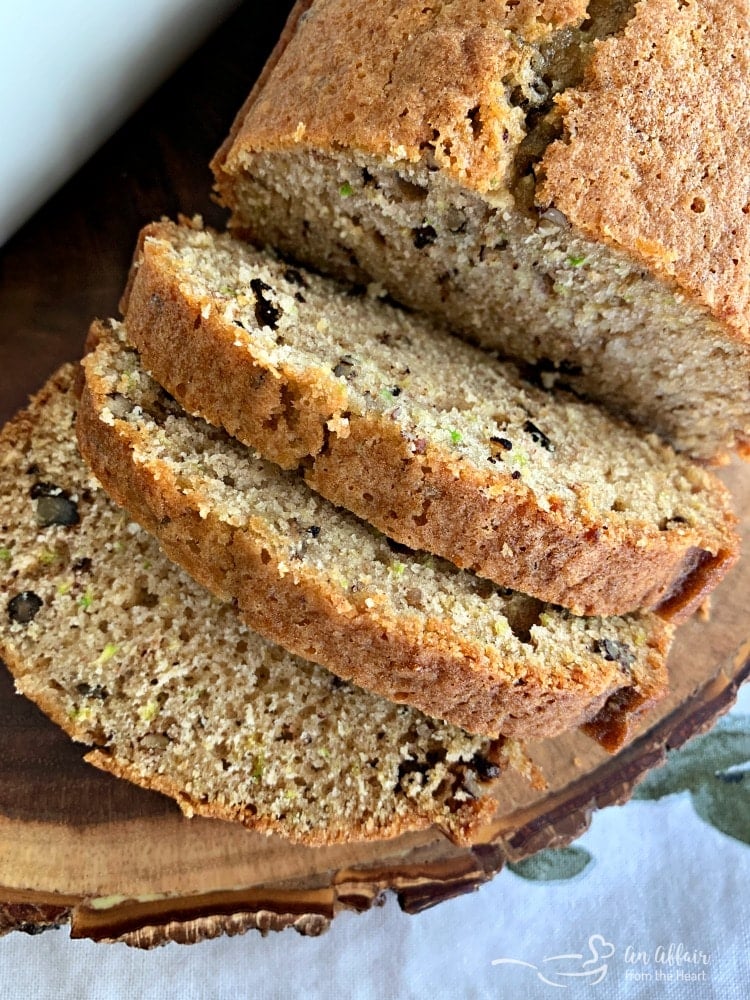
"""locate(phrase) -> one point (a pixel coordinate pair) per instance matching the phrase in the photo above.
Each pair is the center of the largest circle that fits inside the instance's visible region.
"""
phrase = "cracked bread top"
(566, 185)
(426, 77)
(654, 157)
(653, 160)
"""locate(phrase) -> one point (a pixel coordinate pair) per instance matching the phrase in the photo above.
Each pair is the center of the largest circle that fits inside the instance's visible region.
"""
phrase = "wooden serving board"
(116, 862)
(120, 863)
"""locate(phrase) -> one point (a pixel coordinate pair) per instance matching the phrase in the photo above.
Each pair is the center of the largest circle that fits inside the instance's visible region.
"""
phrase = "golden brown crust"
(654, 161)
(422, 72)
(431, 666)
(300, 8)
(475, 517)
(202, 368)
(577, 565)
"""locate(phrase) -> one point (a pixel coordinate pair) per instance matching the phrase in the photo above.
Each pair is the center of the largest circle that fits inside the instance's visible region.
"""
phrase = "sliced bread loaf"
(433, 441)
(334, 590)
(126, 653)
(564, 181)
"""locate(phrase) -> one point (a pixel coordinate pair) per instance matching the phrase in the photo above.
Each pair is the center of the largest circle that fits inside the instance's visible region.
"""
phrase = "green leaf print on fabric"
(552, 865)
(715, 769)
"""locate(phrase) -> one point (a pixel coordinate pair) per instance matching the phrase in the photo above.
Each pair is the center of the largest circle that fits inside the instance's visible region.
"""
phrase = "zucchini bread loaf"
(566, 181)
(332, 589)
(127, 654)
(433, 441)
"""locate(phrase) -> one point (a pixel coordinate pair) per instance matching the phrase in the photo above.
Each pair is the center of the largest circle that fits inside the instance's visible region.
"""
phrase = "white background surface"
(70, 72)
(660, 876)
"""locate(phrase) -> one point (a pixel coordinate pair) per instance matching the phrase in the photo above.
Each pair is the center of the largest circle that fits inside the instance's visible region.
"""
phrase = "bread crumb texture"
(127, 654)
(328, 586)
(435, 442)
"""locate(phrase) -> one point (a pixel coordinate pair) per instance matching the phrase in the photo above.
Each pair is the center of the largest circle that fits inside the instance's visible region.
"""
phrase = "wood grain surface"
(116, 862)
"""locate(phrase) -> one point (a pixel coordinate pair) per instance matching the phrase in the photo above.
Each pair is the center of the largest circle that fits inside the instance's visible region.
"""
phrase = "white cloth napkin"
(70, 73)
(660, 908)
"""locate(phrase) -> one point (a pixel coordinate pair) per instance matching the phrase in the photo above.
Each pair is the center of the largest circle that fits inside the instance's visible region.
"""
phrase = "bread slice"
(332, 589)
(433, 441)
(564, 181)
(126, 653)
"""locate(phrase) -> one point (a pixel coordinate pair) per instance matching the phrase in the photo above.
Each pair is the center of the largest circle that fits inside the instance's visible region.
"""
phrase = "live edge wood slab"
(117, 863)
